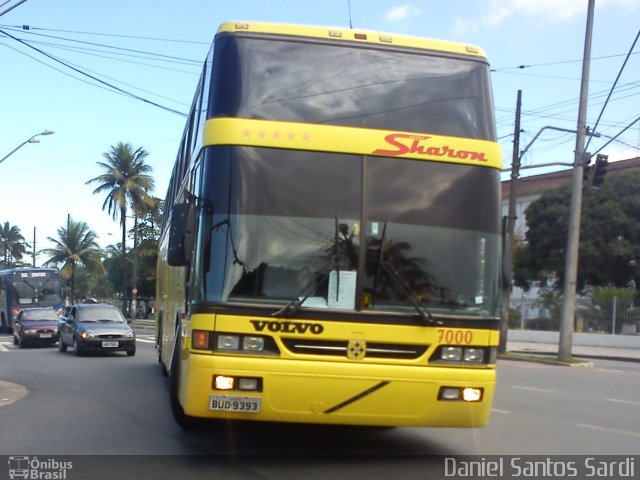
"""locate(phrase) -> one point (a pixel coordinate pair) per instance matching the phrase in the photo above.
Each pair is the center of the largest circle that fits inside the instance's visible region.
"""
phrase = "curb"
(535, 357)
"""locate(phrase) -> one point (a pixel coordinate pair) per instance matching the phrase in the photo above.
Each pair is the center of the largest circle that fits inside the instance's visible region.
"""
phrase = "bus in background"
(28, 287)
(330, 250)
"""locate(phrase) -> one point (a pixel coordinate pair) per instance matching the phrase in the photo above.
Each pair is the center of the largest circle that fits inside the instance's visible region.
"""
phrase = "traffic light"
(600, 169)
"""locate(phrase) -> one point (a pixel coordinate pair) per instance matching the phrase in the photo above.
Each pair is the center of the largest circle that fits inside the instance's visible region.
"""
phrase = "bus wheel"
(183, 420)
(163, 367)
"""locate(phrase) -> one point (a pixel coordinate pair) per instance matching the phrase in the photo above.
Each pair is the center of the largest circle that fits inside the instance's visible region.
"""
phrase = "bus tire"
(163, 367)
(185, 421)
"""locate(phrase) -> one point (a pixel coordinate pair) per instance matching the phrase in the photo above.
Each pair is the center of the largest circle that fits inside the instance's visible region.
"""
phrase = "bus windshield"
(357, 85)
(431, 232)
(40, 292)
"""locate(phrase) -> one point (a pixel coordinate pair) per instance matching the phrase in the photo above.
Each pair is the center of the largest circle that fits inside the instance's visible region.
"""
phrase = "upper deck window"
(360, 85)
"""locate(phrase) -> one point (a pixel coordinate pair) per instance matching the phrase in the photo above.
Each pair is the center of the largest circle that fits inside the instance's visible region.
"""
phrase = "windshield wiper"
(424, 314)
(291, 308)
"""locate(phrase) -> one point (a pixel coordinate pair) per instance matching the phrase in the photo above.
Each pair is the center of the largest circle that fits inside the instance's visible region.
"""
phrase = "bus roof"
(354, 35)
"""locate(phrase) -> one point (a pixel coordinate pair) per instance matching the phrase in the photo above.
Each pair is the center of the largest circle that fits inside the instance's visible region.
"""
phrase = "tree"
(11, 243)
(609, 236)
(146, 234)
(76, 245)
(126, 180)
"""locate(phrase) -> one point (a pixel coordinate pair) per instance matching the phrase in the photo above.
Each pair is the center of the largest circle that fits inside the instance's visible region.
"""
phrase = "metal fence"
(616, 316)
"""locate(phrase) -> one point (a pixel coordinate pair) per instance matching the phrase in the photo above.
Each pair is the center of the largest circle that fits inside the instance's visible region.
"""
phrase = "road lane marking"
(504, 412)
(533, 389)
(610, 430)
(145, 340)
(3, 346)
(626, 402)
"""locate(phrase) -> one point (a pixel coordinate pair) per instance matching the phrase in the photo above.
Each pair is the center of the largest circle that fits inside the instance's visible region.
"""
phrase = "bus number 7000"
(455, 337)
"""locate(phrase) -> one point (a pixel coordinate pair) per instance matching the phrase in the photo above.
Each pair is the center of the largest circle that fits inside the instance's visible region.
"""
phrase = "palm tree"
(126, 181)
(11, 243)
(76, 245)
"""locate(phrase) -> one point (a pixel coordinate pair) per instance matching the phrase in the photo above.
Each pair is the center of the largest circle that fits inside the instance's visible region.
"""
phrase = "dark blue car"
(96, 328)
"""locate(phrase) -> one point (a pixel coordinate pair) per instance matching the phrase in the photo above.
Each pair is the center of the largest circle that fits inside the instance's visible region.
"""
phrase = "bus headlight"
(462, 355)
(253, 344)
(474, 355)
(472, 394)
(451, 354)
(228, 342)
(221, 382)
(246, 384)
(238, 343)
(456, 394)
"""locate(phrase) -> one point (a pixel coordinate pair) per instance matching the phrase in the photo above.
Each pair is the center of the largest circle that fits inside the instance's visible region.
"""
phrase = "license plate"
(46, 335)
(230, 403)
(109, 344)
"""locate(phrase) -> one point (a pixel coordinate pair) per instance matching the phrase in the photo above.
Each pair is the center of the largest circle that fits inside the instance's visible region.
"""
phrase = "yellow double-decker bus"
(330, 251)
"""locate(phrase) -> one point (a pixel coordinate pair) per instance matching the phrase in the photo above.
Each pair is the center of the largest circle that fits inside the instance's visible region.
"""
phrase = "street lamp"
(31, 140)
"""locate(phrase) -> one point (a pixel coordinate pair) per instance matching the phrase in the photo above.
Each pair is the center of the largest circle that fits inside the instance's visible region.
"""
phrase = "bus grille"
(339, 348)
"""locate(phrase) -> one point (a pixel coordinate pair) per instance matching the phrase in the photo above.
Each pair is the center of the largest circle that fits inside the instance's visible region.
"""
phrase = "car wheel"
(21, 342)
(131, 352)
(61, 345)
(77, 349)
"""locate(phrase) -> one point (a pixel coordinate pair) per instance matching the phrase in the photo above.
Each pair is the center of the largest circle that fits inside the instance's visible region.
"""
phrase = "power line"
(109, 55)
(117, 89)
(28, 27)
(614, 84)
(152, 54)
(560, 62)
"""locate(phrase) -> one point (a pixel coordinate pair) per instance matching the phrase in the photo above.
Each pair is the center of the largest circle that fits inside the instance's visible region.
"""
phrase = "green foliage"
(609, 236)
(11, 245)
(75, 246)
(607, 294)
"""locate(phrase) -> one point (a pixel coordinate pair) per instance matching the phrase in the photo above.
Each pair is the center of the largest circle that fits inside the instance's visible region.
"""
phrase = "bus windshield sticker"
(342, 290)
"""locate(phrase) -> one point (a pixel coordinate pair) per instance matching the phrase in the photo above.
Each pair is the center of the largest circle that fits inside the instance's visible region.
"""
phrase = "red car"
(35, 326)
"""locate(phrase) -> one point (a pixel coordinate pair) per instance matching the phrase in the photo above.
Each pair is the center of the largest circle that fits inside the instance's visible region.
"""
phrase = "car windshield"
(100, 315)
(38, 315)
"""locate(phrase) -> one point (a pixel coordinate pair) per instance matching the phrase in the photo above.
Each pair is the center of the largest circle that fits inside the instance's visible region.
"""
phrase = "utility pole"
(571, 265)
(507, 259)
(34, 247)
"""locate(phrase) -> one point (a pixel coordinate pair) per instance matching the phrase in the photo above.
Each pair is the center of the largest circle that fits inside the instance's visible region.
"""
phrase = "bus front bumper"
(335, 392)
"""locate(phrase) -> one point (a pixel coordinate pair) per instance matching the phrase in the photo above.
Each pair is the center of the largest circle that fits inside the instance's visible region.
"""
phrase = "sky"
(60, 75)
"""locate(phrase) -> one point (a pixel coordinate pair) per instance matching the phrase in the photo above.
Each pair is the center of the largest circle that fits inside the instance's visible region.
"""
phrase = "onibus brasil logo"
(33, 468)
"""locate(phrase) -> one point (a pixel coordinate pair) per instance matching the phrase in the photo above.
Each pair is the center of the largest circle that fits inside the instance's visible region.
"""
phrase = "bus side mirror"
(182, 234)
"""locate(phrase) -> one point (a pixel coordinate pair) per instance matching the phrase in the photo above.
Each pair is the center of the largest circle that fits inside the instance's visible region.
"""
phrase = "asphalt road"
(118, 405)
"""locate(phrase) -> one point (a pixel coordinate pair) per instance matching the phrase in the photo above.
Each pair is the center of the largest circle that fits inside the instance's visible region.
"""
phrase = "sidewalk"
(579, 351)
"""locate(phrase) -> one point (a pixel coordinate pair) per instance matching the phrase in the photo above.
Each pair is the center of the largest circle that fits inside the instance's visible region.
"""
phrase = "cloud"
(399, 13)
(500, 11)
